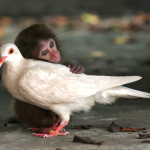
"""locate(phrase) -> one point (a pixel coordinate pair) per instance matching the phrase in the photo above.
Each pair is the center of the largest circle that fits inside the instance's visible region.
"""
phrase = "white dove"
(54, 87)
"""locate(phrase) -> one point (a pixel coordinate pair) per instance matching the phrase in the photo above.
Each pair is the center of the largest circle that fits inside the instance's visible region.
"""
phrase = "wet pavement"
(98, 54)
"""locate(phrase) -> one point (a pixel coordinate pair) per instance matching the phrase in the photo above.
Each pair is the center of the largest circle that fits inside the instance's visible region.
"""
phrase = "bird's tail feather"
(110, 95)
(107, 82)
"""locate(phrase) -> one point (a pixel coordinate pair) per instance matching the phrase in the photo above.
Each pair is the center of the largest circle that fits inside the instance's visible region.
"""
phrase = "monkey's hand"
(76, 69)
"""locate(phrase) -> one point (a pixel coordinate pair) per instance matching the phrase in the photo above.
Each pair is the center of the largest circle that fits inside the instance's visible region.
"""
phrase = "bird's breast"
(11, 80)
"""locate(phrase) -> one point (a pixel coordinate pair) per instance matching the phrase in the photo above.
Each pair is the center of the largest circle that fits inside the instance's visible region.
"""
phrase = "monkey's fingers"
(81, 70)
(78, 70)
(75, 69)
(69, 65)
(72, 68)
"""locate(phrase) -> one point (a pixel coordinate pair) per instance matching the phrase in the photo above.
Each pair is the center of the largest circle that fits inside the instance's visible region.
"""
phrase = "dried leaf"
(86, 140)
(144, 136)
(124, 39)
(130, 129)
(83, 127)
(97, 54)
(110, 128)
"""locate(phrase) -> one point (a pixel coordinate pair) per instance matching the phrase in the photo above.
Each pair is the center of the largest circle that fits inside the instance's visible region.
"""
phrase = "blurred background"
(108, 37)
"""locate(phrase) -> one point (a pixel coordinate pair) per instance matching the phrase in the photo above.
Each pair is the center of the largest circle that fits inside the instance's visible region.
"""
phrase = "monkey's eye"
(51, 44)
(44, 53)
(11, 50)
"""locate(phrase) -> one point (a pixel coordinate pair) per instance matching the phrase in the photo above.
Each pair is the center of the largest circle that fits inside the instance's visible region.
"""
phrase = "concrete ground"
(98, 54)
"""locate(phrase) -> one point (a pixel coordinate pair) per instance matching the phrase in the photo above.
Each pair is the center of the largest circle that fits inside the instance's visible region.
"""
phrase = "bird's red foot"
(52, 127)
(50, 133)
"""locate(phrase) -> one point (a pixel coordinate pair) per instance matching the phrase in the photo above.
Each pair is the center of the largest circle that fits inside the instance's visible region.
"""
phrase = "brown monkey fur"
(28, 39)
(28, 43)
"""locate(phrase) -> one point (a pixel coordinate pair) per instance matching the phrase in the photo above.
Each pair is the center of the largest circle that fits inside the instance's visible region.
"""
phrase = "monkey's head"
(38, 41)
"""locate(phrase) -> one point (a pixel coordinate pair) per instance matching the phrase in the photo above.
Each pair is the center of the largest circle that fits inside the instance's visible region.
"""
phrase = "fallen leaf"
(130, 129)
(97, 54)
(83, 127)
(86, 140)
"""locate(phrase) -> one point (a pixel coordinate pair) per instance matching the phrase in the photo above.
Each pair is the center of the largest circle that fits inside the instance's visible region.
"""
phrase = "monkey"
(38, 41)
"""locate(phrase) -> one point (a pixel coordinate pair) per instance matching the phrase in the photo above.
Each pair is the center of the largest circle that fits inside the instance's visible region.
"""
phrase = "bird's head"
(9, 53)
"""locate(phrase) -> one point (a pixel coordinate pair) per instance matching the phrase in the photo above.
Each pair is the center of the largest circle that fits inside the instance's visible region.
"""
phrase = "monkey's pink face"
(48, 51)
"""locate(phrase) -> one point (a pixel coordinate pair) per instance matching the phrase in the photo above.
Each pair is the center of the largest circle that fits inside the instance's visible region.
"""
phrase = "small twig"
(86, 140)
(144, 136)
(130, 129)
(110, 128)
(122, 129)
(83, 127)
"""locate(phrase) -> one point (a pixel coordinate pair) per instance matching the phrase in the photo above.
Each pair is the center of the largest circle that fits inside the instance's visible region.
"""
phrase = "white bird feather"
(53, 86)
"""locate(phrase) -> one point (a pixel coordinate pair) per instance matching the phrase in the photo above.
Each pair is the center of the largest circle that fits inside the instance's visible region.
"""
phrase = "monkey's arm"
(74, 68)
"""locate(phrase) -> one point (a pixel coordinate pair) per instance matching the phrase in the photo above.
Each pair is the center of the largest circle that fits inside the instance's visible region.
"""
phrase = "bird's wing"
(109, 95)
(43, 86)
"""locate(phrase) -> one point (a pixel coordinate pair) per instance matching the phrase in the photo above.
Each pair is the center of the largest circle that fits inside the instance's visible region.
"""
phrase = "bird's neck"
(11, 75)
(15, 66)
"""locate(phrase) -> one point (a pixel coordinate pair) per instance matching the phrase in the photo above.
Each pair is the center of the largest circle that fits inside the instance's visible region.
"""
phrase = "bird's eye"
(44, 53)
(11, 50)
(51, 44)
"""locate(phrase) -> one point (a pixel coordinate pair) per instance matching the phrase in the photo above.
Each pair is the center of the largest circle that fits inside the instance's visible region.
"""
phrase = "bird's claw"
(50, 134)
(46, 135)
(67, 133)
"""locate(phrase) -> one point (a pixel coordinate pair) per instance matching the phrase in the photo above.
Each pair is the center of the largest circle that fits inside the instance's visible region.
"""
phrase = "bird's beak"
(2, 60)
